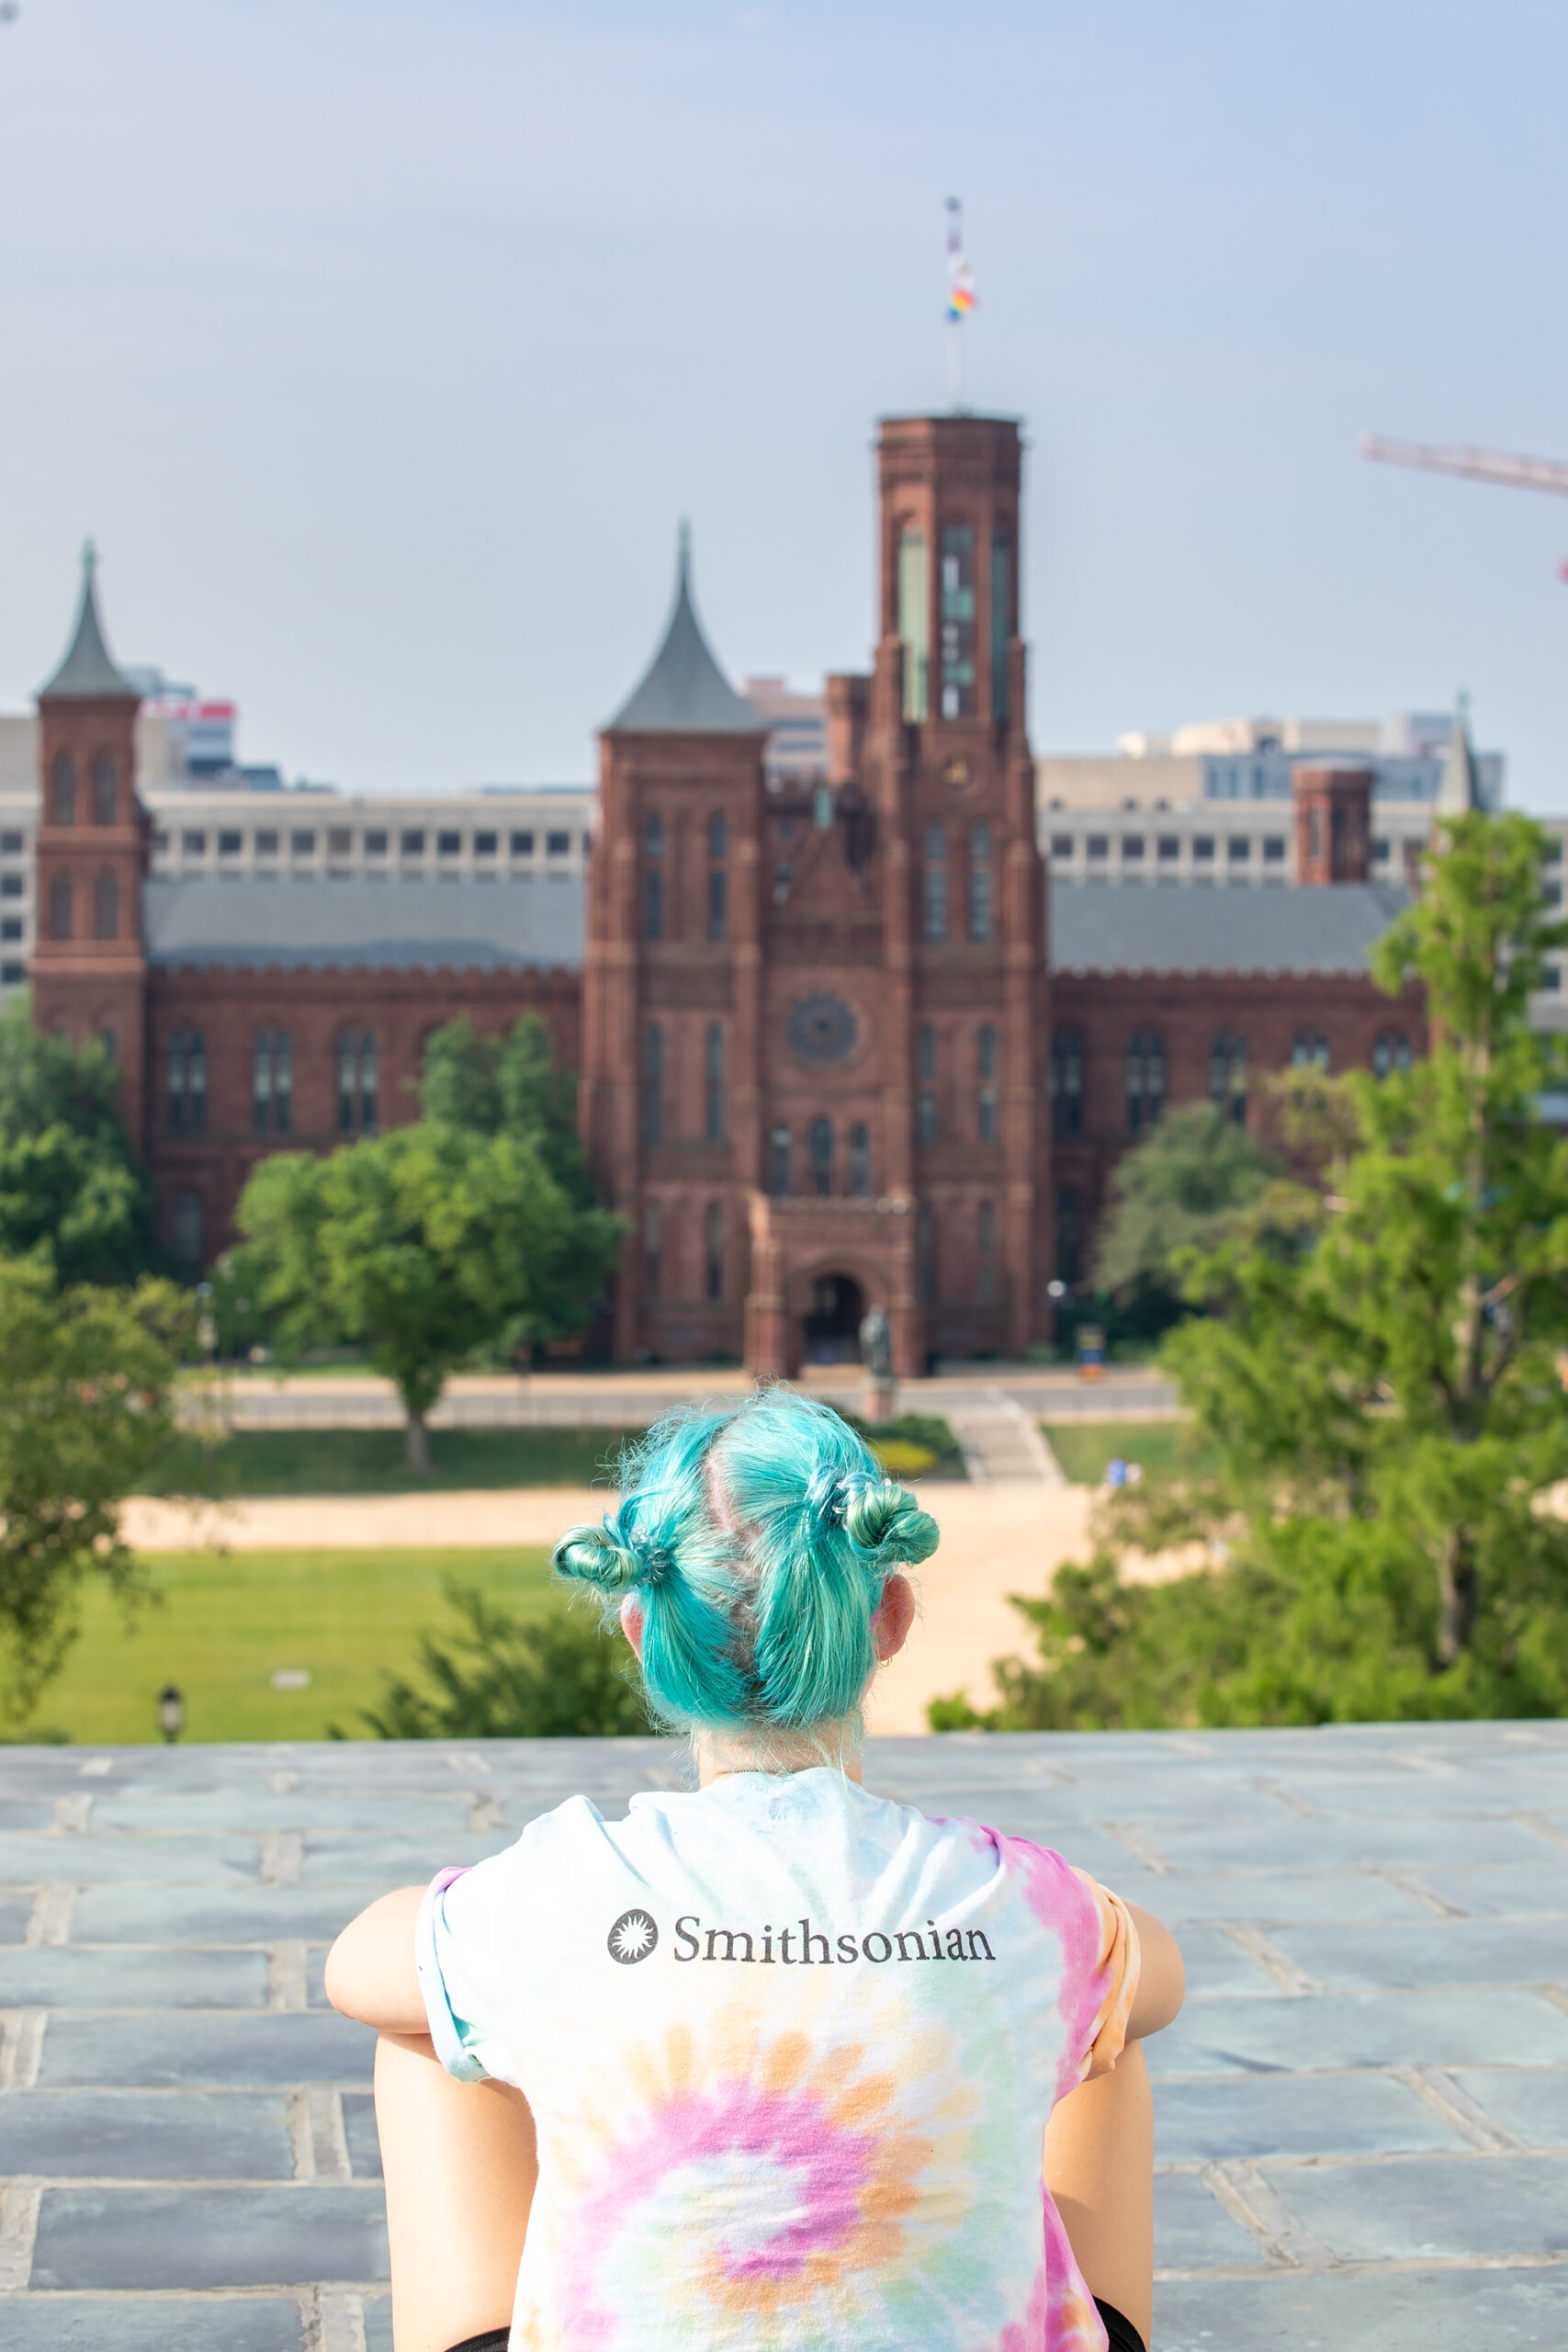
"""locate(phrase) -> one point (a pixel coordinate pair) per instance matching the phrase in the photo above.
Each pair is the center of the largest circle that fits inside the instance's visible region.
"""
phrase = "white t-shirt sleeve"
(450, 1936)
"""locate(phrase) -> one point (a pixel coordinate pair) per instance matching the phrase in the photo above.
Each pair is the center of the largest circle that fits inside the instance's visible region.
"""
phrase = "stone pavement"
(1363, 2112)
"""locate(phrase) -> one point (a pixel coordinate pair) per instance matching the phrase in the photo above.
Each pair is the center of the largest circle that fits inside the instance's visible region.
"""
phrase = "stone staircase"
(1002, 1444)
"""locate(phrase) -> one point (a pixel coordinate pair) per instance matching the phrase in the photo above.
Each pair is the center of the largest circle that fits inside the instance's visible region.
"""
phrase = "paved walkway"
(1361, 2114)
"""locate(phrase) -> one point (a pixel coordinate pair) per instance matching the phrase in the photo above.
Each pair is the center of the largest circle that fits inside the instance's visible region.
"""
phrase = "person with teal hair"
(772, 2064)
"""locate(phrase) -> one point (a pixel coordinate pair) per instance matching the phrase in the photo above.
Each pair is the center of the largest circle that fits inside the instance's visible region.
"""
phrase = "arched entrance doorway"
(833, 1312)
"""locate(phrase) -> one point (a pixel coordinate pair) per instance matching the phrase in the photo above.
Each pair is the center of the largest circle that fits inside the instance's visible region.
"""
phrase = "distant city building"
(796, 748)
(200, 734)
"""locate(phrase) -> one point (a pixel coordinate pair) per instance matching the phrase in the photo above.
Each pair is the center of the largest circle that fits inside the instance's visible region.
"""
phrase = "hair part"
(758, 1538)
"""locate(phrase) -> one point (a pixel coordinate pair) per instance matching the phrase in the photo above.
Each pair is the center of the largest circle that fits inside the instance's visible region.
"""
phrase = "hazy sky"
(381, 347)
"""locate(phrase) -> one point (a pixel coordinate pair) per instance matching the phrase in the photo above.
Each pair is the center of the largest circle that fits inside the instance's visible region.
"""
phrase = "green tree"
(86, 1408)
(68, 1182)
(1381, 1389)
(423, 1246)
(561, 1676)
(506, 1085)
(1181, 1189)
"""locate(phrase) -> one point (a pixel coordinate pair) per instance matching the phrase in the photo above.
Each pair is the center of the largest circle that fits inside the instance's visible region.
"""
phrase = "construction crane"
(1477, 465)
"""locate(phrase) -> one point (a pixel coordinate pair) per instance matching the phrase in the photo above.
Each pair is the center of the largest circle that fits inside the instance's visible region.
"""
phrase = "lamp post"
(170, 1714)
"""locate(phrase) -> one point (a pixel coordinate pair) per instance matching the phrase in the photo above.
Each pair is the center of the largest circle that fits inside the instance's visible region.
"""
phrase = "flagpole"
(955, 365)
(960, 297)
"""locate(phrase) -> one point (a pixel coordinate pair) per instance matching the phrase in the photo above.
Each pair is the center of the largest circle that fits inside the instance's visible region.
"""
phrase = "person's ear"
(631, 1624)
(894, 1615)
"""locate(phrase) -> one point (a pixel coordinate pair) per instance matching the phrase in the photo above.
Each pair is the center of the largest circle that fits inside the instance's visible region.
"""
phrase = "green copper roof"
(1459, 786)
(87, 671)
(685, 692)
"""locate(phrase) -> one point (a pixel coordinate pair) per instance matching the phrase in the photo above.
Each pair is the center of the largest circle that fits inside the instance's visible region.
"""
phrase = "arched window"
(653, 878)
(713, 1063)
(1227, 1075)
(187, 1231)
(822, 1156)
(652, 1251)
(105, 908)
(980, 895)
(719, 880)
(1391, 1052)
(957, 620)
(915, 620)
(779, 1167)
(1066, 1082)
(860, 1162)
(985, 1100)
(1310, 1050)
(272, 1083)
(187, 1083)
(985, 1237)
(925, 1098)
(358, 1085)
(105, 790)
(653, 1085)
(925, 1253)
(63, 789)
(60, 907)
(1145, 1079)
(713, 1248)
(936, 882)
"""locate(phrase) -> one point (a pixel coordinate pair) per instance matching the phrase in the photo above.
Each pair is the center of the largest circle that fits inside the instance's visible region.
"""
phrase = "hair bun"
(597, 1556)
(885, 1519)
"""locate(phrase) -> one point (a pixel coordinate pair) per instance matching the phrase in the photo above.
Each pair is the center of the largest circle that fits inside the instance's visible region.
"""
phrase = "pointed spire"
(683, 691)
(87, 671)
(1459, 786)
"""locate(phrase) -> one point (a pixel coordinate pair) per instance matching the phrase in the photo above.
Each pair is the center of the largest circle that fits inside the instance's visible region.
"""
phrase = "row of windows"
(926, 1112)
(956, 619)
(1133, 848)
(1146, 1073)
(375, 842)
(653, 1252)
(65, 800)
(354, 1061)
(12, 843)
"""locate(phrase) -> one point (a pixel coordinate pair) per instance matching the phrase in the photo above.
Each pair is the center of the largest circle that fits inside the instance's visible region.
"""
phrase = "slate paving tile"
(1502, 2311)
(139, 2136)
(1533, 2102)
(258, 2237)
(1491, 2205)
(132, 1978)
(1479, 2029)
(16, 1910)
(1193, 2230)
(1274, 1898)
(259, 1809)
(26, 1813)
(1217, 1967)
(152, 2324)
(1503, 1890)
(329, 1857)
(1284, 2115)
(87, 1859)
(196, 2050)
(377, 2323)
(360, 2131)
(179, 1915)
(1435, 1952)
(1374, 1840)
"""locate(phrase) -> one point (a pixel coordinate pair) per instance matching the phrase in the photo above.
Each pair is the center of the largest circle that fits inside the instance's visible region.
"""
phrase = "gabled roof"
(363, 925)
(1459, 786)
(87, 671)
(683, 691)
(1244, 927)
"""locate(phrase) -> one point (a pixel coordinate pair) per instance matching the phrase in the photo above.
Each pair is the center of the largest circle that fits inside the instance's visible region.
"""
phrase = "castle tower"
(1333, 823)
(948, 770)
(89, 969)
(672, 1004)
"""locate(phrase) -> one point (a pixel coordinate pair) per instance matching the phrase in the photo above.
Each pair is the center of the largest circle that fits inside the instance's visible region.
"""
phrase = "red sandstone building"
(837, 1044)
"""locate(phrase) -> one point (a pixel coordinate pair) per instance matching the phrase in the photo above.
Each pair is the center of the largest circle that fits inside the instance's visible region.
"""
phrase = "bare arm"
(370, 1969)
(1162, 1979)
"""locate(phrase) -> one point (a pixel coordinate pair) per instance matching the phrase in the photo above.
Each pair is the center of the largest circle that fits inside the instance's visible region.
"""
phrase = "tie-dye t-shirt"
(790, 2049)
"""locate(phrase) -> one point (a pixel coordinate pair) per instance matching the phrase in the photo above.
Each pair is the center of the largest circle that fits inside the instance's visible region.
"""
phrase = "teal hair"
(758, 1538)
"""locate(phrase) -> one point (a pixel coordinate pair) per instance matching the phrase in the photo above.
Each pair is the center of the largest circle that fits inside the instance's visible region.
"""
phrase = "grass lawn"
(227, 1622)
(370, 1461)
(1083, 1448)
